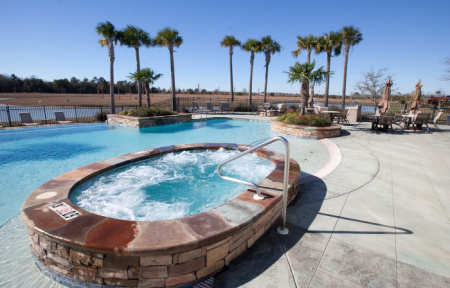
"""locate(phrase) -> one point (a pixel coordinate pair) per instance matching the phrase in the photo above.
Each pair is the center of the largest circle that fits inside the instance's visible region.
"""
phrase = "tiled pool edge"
(144, 122)
(183, 251)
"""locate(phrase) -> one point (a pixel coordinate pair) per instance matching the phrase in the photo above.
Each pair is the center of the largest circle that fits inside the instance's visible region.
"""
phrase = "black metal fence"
(9, 115)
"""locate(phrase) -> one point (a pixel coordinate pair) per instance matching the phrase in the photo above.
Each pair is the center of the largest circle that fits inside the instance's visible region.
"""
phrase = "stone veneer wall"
(306, 131)
(143, 122)
(221, 234)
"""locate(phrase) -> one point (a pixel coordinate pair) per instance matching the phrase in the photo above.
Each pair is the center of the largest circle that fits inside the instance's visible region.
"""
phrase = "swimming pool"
(31, 157)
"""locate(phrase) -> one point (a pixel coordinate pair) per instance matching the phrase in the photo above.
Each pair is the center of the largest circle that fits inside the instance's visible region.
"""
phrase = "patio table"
(330, 113)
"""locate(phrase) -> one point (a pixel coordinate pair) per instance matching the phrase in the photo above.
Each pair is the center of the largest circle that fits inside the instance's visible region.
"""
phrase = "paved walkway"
(380, 219)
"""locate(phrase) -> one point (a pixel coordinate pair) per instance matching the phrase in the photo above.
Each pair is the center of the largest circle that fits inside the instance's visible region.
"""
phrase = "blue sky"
(56, 39)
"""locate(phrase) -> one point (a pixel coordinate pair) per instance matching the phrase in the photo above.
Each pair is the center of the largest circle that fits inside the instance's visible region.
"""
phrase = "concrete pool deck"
(380, 219)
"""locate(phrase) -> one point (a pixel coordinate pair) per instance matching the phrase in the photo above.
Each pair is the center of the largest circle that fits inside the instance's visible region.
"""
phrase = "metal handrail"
(199, 113)
(282, 230)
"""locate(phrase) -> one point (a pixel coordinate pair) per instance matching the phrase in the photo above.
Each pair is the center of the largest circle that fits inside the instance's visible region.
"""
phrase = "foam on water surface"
(171, 186)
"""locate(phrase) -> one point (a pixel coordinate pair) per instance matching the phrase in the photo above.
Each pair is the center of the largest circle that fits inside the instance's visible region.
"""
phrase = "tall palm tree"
(304, 73)
(169, 37)
(307, 43)
(135, 37)
(109, 37)
(329, 43)
(253, 46)
(350, 37)
(229, 41)
(148, 77)
(269, 47)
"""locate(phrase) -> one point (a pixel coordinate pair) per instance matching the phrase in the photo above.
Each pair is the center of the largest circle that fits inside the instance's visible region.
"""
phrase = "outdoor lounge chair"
(195, 107)
(26, 119)
(436, 119)
(342, 116)
(421, 119)
(61, 118)
(224, 107)
(385, 121)
(209, 107)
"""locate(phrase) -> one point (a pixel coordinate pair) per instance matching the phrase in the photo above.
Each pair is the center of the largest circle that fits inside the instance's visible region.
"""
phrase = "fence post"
(45, 114)
(76, 117)
(9, 116)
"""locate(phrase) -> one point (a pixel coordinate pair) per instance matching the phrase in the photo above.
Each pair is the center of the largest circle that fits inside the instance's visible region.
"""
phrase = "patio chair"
(421, 119)
(224, 107)
(209, 107)
(436, 119)
(342, 116)
(195, 107)
(26, 119)
(61, 118)
(385, 121)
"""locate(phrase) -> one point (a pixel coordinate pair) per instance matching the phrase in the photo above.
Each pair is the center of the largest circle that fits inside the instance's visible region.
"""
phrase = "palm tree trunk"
(172, 72)
(304, 94)
(345, 78)
(147, 90)
(327, 81)
(111, 76)
(138, 70)
(252, 58)
(267, 73)
(231, 73)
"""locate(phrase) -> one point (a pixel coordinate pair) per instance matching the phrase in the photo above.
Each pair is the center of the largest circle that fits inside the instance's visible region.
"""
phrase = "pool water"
(31, 157)
(171, 186)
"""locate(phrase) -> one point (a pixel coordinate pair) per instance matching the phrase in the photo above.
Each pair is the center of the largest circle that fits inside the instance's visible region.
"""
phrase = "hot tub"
(74, 246)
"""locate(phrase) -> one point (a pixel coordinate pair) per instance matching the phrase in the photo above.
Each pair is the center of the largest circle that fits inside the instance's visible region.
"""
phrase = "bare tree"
(446, 77)
(372, 84)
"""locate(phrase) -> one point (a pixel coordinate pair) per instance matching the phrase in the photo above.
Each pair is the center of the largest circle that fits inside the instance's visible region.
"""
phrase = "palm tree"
(253, 46)
(269, 47)
(350, 37)
(229, 41)
(109, 34)
(134, 37)
(307, 43)
(303, 73)
(146, 76)
(329, 43)
(169, 37)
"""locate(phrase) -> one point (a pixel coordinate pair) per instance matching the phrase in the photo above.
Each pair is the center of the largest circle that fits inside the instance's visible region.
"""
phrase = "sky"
(56, 39)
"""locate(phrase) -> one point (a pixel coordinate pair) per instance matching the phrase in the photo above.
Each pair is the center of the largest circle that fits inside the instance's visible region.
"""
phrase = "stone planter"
(306, 131)
(143, 122)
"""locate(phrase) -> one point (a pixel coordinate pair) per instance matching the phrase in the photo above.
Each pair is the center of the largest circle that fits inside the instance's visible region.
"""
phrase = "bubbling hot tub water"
(171, 186)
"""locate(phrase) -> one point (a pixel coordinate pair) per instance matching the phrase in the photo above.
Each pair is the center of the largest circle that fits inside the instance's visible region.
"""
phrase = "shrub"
(148, 112)
(101, 116)
(242, 107)
(307, 119)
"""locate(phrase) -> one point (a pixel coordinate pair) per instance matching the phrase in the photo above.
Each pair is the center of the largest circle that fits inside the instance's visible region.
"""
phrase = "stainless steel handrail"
(282, 230)
(199, 113)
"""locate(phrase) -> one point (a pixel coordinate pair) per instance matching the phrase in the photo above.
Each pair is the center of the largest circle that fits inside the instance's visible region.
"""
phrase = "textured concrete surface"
(380, 219)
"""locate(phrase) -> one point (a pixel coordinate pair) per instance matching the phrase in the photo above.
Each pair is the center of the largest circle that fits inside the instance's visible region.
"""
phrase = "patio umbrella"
(417, 93)
(311, 97)
(383, 106)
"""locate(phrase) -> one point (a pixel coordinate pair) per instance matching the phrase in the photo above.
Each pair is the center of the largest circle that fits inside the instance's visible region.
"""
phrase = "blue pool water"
(31, 157)
(171, 186)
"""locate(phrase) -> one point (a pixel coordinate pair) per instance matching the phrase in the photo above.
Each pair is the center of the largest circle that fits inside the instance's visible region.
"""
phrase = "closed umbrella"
(311, 97)
(417, 94)
(383, 106)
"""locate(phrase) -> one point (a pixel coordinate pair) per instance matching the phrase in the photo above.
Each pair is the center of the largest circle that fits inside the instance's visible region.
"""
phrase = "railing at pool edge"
(281, 230)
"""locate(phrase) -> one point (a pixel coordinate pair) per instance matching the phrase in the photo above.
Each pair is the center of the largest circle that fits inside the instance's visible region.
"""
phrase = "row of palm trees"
(265, 45)
(134, 37)
(331, 43)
